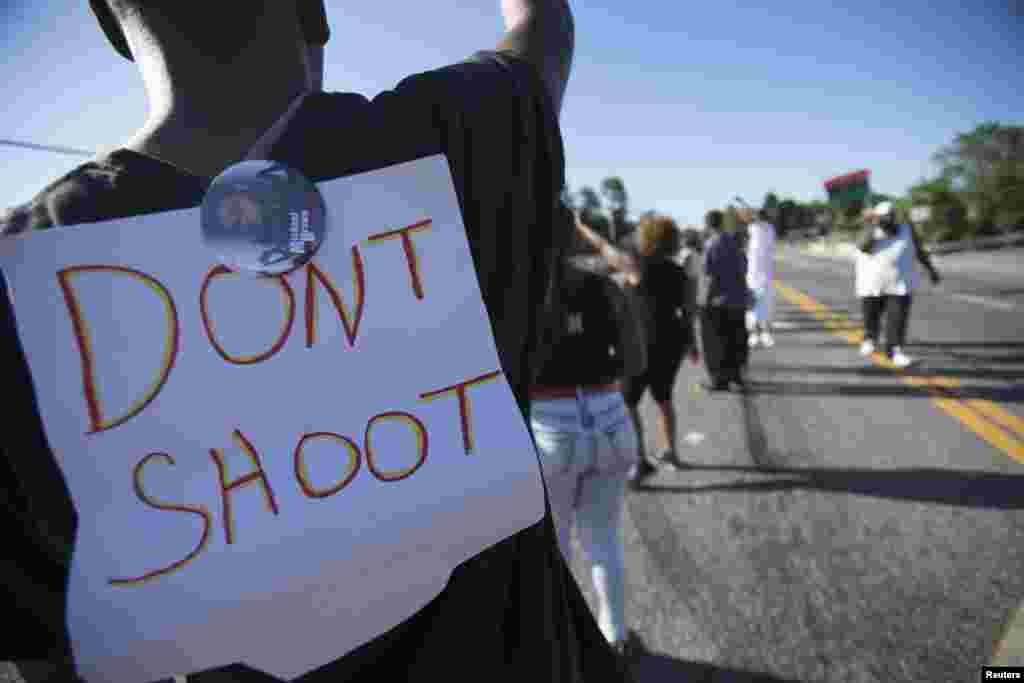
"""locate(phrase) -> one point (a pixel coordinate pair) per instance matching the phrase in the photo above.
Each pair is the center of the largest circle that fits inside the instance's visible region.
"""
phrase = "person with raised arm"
(886, 278)
(664, 310)
(513, 608)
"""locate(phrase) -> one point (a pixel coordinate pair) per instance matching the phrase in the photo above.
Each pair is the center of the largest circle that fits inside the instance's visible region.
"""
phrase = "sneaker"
(642, 471)
(900, 359)
(754, 340)
(673, 459)
(867, 348)
(767, 340)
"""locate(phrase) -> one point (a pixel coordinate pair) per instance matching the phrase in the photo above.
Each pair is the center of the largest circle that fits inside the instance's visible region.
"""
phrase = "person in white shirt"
(760, 274)
(886, 278)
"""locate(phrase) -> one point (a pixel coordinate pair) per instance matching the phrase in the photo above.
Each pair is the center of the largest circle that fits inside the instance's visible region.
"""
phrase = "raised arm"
(613, 256)
(922, 255)
(542, 32)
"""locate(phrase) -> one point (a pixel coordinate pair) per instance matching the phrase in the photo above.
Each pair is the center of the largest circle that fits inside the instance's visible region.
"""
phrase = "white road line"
(984, 301)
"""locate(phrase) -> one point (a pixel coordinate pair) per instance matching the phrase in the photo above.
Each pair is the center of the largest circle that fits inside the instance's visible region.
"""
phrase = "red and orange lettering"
(98, 422)
(303, 476)
(464, 408)
(195, 510)
(228, 486)
(221, 271)
(422, 445)
(410, 250)
(313, 273)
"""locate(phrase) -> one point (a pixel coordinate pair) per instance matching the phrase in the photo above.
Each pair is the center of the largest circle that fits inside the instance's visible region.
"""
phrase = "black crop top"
(598, 342)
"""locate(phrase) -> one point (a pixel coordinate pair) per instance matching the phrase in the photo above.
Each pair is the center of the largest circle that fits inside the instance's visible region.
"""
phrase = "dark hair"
(213, 39)
(714, 219)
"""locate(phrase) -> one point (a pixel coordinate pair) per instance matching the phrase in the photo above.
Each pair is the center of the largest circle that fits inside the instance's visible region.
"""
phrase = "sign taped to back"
(270, 470)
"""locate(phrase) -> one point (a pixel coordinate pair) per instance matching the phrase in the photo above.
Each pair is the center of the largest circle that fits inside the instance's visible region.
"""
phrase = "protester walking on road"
(494, 116)
(760, 274)
(668, 296)
(584, 432)
(690, 257)
(725, 299)
(886, 279)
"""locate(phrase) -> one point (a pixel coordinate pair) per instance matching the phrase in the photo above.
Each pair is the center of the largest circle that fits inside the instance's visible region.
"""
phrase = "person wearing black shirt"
(585, 434)
(514, 607)
(668, 302)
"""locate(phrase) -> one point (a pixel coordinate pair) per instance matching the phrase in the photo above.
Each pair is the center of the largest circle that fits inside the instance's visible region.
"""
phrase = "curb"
(844, 251)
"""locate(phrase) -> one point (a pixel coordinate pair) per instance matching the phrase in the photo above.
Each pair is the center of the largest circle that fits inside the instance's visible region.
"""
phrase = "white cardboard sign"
(270, 470)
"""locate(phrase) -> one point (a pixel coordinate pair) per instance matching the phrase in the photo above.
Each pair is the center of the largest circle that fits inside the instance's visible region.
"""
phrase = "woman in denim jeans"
(584, 433)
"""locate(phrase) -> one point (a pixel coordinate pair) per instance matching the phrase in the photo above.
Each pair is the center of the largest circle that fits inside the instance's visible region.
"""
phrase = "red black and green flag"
(852, 189)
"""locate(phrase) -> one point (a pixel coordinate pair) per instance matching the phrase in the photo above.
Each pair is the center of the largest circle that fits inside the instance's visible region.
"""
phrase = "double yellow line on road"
(988, 420)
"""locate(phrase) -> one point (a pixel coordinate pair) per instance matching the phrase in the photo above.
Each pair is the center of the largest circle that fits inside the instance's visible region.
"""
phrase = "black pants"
(724, 337)
(672, 340)
(897, 313)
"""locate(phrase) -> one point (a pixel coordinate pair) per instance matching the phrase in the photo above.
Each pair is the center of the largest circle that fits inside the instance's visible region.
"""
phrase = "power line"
(47, 148)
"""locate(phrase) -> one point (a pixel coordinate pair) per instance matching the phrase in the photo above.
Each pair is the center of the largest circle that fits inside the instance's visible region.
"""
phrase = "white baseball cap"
(883, 209)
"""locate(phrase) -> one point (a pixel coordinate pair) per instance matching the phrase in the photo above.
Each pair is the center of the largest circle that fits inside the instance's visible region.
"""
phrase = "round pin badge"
(263, 217)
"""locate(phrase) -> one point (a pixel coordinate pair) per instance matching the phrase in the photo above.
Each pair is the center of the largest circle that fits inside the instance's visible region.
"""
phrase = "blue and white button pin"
(263, 217)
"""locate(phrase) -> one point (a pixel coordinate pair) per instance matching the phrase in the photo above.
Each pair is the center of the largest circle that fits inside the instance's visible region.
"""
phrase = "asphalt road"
(842, 520)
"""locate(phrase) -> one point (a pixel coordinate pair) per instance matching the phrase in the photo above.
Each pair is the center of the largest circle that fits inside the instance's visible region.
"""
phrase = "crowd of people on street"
(580, 345)
(673, 281)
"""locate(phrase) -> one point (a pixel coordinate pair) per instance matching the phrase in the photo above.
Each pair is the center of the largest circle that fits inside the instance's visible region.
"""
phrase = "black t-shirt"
(514, 608)
(665, 289)
(595, 326)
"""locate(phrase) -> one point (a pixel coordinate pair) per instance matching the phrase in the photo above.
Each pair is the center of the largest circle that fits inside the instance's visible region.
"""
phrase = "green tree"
(788, 216)
(614, 191)
(948, 219)
(986, 168)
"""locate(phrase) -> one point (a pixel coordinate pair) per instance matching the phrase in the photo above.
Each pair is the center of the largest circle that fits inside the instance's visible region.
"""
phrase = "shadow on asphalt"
(804, 316)
(967, 344)
(646, 666)
(655, 668)
(815, 326)
(962, 488)
(923, 369)
(990, 352)
(997, 394)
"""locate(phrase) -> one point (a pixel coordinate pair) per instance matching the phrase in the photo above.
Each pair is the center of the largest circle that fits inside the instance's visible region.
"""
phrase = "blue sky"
(690, 103)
